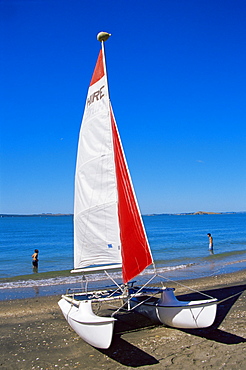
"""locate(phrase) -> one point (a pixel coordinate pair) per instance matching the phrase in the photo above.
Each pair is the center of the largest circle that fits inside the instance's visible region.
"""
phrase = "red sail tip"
(99, 69)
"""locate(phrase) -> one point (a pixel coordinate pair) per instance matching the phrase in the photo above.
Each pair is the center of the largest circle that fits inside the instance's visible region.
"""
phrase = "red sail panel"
(135, 251)
(99, 69)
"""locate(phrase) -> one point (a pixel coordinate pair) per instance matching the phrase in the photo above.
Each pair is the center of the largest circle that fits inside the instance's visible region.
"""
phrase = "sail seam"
(99, 206)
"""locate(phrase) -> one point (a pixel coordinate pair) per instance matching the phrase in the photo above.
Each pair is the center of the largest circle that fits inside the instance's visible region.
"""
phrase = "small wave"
(173, 268)
(43, 282)
(233, 262)
(79, 278)
(162, 269)
(55, 281)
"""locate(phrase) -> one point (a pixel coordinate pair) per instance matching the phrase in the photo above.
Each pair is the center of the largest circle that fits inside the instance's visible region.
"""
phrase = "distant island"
(204, 213)
(194, 213)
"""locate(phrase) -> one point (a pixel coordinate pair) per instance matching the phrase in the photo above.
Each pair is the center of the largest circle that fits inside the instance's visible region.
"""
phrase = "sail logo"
(97, 95)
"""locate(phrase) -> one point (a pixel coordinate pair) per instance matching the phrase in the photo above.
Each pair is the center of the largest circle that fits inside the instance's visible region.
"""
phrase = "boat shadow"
(129, 355)
(213, 332)
(124, 352)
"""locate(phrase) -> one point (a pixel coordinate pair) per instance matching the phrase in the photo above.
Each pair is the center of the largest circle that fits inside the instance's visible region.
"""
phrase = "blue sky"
(177, 78)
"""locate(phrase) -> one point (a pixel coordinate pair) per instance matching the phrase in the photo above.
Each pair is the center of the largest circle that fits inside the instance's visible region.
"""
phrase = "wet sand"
(34, 335)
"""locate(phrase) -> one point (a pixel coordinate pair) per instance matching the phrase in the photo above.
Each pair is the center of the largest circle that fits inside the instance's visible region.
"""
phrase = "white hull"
(93, 329)
(168, 310)
(178, 314)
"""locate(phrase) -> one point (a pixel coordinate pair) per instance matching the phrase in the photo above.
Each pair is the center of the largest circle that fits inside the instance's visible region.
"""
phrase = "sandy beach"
(34, 335)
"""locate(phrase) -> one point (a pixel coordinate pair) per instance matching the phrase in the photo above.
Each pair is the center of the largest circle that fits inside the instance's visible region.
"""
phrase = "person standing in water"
(35, 259)
(210, 240)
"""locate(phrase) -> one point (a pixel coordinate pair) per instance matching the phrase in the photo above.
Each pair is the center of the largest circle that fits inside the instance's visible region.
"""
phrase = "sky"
(177, 80)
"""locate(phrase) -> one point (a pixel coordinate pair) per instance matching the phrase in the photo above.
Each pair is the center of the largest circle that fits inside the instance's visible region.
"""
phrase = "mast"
(102, 37)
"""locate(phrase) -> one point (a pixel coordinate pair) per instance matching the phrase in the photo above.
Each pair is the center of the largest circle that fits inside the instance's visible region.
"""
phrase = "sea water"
(179, 245)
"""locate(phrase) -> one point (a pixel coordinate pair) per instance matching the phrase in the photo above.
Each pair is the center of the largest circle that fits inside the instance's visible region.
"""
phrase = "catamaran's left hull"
(93, 329)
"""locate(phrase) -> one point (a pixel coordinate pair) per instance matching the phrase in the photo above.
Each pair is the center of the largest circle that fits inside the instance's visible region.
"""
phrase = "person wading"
(35, 259)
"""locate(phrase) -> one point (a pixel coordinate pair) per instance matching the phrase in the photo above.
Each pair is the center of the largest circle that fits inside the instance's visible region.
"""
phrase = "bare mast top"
(103, 36)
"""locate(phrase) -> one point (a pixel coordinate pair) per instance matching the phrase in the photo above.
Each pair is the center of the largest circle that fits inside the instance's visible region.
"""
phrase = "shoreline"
(57, 282)
(35, 335)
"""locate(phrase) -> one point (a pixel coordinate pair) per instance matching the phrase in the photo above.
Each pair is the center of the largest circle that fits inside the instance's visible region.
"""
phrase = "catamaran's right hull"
(93, 329)
(195, 315)
(178, 314)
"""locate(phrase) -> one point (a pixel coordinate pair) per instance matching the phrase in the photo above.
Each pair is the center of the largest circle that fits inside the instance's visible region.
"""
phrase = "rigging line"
(185, 286)
(142, 302)
(147, 283)
(231, 296)
(110, 277)
(127, 301)
(84, 283)
(206, 295)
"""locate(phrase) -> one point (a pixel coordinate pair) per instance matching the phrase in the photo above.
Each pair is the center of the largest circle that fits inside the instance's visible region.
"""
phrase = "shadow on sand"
(129, 355)
(124, 352)
(213, 333)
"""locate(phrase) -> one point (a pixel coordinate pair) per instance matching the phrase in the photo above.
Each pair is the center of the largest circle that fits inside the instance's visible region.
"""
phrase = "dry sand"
(34, 335)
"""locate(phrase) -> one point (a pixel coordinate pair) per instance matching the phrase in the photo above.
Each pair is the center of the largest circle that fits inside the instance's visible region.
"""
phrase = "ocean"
(179, 245)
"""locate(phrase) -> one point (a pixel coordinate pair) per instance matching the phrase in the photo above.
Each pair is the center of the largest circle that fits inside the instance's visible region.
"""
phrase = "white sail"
(96, 225)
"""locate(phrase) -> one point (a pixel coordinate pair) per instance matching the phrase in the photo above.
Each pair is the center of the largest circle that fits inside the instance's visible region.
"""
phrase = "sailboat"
(109, 233)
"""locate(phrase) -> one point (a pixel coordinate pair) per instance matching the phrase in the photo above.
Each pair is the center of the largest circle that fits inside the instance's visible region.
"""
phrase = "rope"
(185, 286)
(231, 296)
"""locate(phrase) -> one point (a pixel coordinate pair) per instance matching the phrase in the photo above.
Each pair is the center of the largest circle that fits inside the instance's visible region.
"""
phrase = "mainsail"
(108, 228)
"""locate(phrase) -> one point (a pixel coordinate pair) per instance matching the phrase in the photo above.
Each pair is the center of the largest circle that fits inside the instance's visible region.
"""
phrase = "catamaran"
(109, 232)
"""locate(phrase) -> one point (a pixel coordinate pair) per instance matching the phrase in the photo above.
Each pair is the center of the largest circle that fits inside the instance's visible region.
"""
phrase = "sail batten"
(98, 268)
